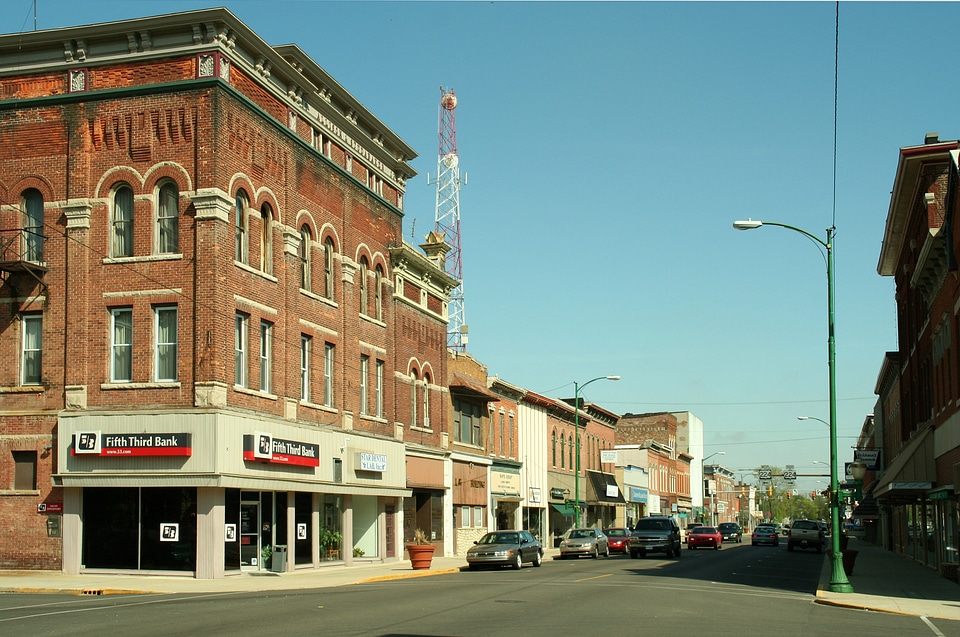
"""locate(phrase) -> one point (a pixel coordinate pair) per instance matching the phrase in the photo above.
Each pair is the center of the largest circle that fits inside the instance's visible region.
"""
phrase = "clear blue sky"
(609, 147)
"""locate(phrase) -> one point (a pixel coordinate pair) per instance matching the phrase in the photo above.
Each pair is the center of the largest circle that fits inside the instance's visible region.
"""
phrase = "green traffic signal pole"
(838, 578)
(576, 426)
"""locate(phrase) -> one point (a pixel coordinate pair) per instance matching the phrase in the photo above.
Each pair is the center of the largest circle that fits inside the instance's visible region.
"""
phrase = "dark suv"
(655, 535)
(730, 531)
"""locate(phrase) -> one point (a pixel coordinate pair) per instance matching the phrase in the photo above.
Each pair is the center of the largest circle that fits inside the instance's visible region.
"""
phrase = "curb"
(387, 578)
(85, 592)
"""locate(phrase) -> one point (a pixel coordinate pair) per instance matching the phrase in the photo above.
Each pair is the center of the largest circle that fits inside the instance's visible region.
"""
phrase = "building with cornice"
(219, 354)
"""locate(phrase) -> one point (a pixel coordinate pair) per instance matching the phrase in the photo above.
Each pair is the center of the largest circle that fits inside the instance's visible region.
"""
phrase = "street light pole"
(703, 480)
(838, 579)
(576, 426)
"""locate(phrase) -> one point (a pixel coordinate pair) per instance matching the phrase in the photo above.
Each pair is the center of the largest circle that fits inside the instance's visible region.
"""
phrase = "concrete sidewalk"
(118, 584)
(886, 582)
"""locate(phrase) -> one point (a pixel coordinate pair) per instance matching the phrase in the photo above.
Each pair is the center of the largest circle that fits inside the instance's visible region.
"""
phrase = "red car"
(708, 536)
(618, 538)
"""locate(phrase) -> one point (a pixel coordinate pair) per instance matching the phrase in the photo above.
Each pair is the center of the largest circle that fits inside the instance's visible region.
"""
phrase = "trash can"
(278, 563)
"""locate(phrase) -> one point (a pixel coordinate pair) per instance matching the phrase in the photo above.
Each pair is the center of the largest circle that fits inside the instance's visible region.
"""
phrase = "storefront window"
(304, 515)
(331, 535)
(150, 529)
(231, 544)
(423, 510)
(947, 523)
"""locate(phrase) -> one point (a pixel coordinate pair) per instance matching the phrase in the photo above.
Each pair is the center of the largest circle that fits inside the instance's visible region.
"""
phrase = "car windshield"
(579, 534)
(764, 529)
(500, 538)
(704, 530)
(616, 532)
(653, 525)
(728, 526)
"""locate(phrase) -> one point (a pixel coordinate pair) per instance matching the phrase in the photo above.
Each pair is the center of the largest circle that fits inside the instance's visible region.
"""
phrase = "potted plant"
(420, 550)
(330, 543)
(265, 553)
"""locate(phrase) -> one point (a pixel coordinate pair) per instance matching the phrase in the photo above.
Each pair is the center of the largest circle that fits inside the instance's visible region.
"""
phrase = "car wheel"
(643, 554)
(717, 547)
(538, 558)
(517, 561)
(606, 551)
(676, 553)
(689, 547)
(596, 552)
(633, 555)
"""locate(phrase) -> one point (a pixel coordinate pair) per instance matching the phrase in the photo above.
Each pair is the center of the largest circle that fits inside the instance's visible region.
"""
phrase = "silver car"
(505, 548)
(579, 542)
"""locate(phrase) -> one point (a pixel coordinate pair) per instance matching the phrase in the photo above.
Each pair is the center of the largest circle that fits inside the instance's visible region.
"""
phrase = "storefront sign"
(556, 493)
(96, 443)
(373, 462)
(50, 507)
(533, 495)
(608, 456)
(263, 447)
(505, 483)
(638, 495)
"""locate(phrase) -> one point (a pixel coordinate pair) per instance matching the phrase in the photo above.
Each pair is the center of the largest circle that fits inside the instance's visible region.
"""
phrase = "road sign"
(789, 475)
(764, 474)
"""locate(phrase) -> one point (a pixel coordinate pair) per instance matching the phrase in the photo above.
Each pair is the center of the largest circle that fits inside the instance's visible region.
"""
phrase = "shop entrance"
(250, 534)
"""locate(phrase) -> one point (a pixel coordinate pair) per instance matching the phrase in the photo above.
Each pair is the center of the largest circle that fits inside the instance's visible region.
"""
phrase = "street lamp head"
(613, 378)
(749, 224)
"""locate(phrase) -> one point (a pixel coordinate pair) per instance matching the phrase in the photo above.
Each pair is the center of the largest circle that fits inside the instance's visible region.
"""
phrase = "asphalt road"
(739, 590)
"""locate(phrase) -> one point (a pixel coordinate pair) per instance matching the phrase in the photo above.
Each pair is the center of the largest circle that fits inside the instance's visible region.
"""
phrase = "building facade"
(917, 484)
(220, 354)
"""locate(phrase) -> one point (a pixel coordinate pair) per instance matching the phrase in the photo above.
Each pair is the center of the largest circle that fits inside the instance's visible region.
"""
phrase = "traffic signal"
(788, 495)
(770, 490)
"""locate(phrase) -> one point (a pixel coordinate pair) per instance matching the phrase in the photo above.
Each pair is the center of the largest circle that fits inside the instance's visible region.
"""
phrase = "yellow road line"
(587, 579)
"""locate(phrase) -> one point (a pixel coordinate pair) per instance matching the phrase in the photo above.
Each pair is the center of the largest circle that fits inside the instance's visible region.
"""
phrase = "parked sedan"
(765, 534)
(707, 536)
(579, 542)
(505, 548)
(618, 539)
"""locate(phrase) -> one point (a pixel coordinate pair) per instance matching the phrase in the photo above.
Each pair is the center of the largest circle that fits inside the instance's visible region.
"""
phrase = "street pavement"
(882, 581)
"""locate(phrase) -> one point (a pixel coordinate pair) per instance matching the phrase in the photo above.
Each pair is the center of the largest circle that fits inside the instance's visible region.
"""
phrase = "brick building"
(671, 470)
(917, 421)
(219, 353)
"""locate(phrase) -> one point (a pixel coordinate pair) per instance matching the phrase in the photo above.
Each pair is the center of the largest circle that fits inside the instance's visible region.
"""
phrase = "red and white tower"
(447, 220)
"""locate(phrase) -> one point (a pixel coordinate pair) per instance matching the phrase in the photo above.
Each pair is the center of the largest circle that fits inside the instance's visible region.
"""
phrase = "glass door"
(250, 535)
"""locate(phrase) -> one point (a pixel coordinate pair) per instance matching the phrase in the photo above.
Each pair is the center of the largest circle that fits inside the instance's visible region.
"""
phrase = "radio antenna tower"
(447, 219)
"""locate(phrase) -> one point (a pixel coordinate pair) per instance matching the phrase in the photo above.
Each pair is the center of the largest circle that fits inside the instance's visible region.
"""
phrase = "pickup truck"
(806, 534)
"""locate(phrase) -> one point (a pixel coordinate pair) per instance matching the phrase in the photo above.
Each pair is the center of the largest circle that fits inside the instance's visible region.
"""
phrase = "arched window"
(266, 239)
(364, 297)
(378, 293)
(242, 251)
(32, 225)
(563, 452)
(413, 397)
(306, 242)
(553, 446)
(570, 448)
(168, 219)
(121, 244)
(328, 268)
(426, 400)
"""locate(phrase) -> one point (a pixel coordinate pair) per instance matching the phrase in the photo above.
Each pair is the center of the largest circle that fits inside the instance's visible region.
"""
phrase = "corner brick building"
(218, 353)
